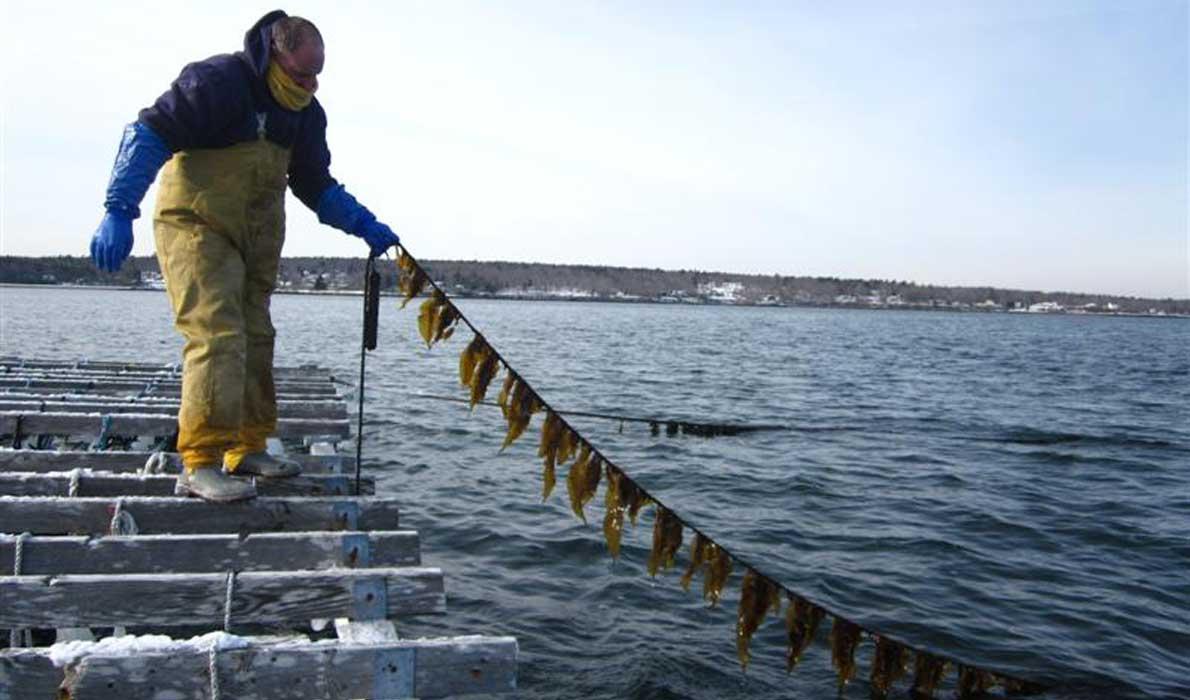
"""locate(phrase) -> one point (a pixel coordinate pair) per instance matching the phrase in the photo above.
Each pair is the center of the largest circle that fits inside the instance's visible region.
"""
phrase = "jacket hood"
(258, 42)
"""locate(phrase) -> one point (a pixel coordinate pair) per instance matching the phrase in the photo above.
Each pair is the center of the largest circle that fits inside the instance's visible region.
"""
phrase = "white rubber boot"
(214, 484)
(267, 466)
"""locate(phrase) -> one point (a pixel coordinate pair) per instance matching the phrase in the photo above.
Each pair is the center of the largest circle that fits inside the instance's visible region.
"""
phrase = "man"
(235, 130)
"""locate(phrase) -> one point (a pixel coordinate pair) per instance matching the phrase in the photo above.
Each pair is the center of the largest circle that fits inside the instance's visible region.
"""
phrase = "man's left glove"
(336, 207)
(378, 236)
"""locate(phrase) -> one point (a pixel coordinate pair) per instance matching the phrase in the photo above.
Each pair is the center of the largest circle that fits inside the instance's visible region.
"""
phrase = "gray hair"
(289, 33)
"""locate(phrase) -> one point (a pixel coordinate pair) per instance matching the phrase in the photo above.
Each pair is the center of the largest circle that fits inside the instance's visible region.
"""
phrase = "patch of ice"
(365, 631)
(67, 653)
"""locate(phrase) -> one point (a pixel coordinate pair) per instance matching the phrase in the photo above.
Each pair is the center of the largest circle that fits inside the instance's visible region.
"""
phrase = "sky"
(1036, 145)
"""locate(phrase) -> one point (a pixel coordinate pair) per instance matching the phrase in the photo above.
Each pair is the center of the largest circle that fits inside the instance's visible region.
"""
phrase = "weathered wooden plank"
(107, 485)
(28, 403)
(137, 393)
(258, 597)
(125, 462)
(151, 379)
(36, 423)
(156, 424)
(146, 379)
(16, 362)
(429, 668)
(270, 551)
(38, 395)
(463, 666)
(153, 515)
(26, 674)
(169, 372)
(163, 387)
(11, 363)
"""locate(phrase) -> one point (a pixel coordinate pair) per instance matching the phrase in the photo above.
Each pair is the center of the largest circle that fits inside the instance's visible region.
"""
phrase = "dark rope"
(1032, 686)
(673, 426)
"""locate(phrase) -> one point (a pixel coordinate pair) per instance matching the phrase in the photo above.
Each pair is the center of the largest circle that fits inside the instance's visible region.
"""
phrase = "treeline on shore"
(537, 280)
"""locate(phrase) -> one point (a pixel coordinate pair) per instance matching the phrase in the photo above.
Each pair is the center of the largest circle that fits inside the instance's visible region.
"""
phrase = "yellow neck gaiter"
(288, 94)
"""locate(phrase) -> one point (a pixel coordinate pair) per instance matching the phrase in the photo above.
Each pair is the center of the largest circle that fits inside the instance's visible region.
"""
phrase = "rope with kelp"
(760, 595)
(672, 426)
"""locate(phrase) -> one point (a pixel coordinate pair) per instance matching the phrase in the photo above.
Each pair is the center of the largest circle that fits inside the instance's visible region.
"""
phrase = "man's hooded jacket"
(224, 100)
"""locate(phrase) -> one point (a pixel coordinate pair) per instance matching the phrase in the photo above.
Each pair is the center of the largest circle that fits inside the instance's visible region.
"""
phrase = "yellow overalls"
(219, 226)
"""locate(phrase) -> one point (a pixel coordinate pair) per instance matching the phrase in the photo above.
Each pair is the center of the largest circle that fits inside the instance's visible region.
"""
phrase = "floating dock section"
(120, 591)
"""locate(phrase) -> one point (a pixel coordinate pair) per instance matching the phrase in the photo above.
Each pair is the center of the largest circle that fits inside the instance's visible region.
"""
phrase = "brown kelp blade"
(974, 682)
(718, 569)
(469, 358)
(667, 540)
(845, 637)
(594, 475)
(613, 517)
(485, 372)
(889, 664)
(444, 323)
(802, 619)
(429, 315)
(1017, 686)
(929, 670)
(551, 436)
(698, 559)
(623, 497)
(510, 383)
(758, 595)
(412, 279)
(636, 500)
(521, 406)
(567, 445)
(583, 480)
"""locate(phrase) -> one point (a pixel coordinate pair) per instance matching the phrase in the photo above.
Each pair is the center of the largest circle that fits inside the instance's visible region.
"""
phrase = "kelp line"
(760, 595)
(671, 426)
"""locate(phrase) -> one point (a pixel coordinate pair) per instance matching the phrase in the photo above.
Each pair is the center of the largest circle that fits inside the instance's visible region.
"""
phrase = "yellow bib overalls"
(219, 226)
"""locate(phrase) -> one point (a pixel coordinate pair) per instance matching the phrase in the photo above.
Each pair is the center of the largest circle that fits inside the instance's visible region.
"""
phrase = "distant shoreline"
(573, 282)
(613, 300)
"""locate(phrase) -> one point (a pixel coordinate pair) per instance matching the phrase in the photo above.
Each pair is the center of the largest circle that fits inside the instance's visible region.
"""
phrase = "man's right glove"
(141, 155)
(336, 207)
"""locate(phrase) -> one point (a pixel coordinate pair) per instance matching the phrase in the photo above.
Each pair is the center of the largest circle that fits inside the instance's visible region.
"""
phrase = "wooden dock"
(290, 595)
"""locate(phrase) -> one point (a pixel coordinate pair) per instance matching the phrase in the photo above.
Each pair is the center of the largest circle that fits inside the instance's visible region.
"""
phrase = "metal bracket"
(392, 674)
(309, 440)
(357, 551)
(17, 437)
(338, 486)
(369, 598)
(346, 515)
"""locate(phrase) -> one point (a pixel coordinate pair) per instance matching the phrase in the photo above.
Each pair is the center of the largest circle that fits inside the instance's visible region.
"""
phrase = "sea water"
(1010, 490)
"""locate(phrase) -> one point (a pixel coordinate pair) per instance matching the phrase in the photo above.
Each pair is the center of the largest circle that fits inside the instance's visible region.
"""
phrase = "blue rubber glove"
(336, 207)
(112, 241)
(141, 155)
(378, 236)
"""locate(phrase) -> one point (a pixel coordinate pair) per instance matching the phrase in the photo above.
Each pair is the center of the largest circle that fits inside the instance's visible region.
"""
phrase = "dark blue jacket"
(214, 104)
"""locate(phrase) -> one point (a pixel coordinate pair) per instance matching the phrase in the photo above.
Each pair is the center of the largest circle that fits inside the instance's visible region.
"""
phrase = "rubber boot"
(267, 466)
(213, 484)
